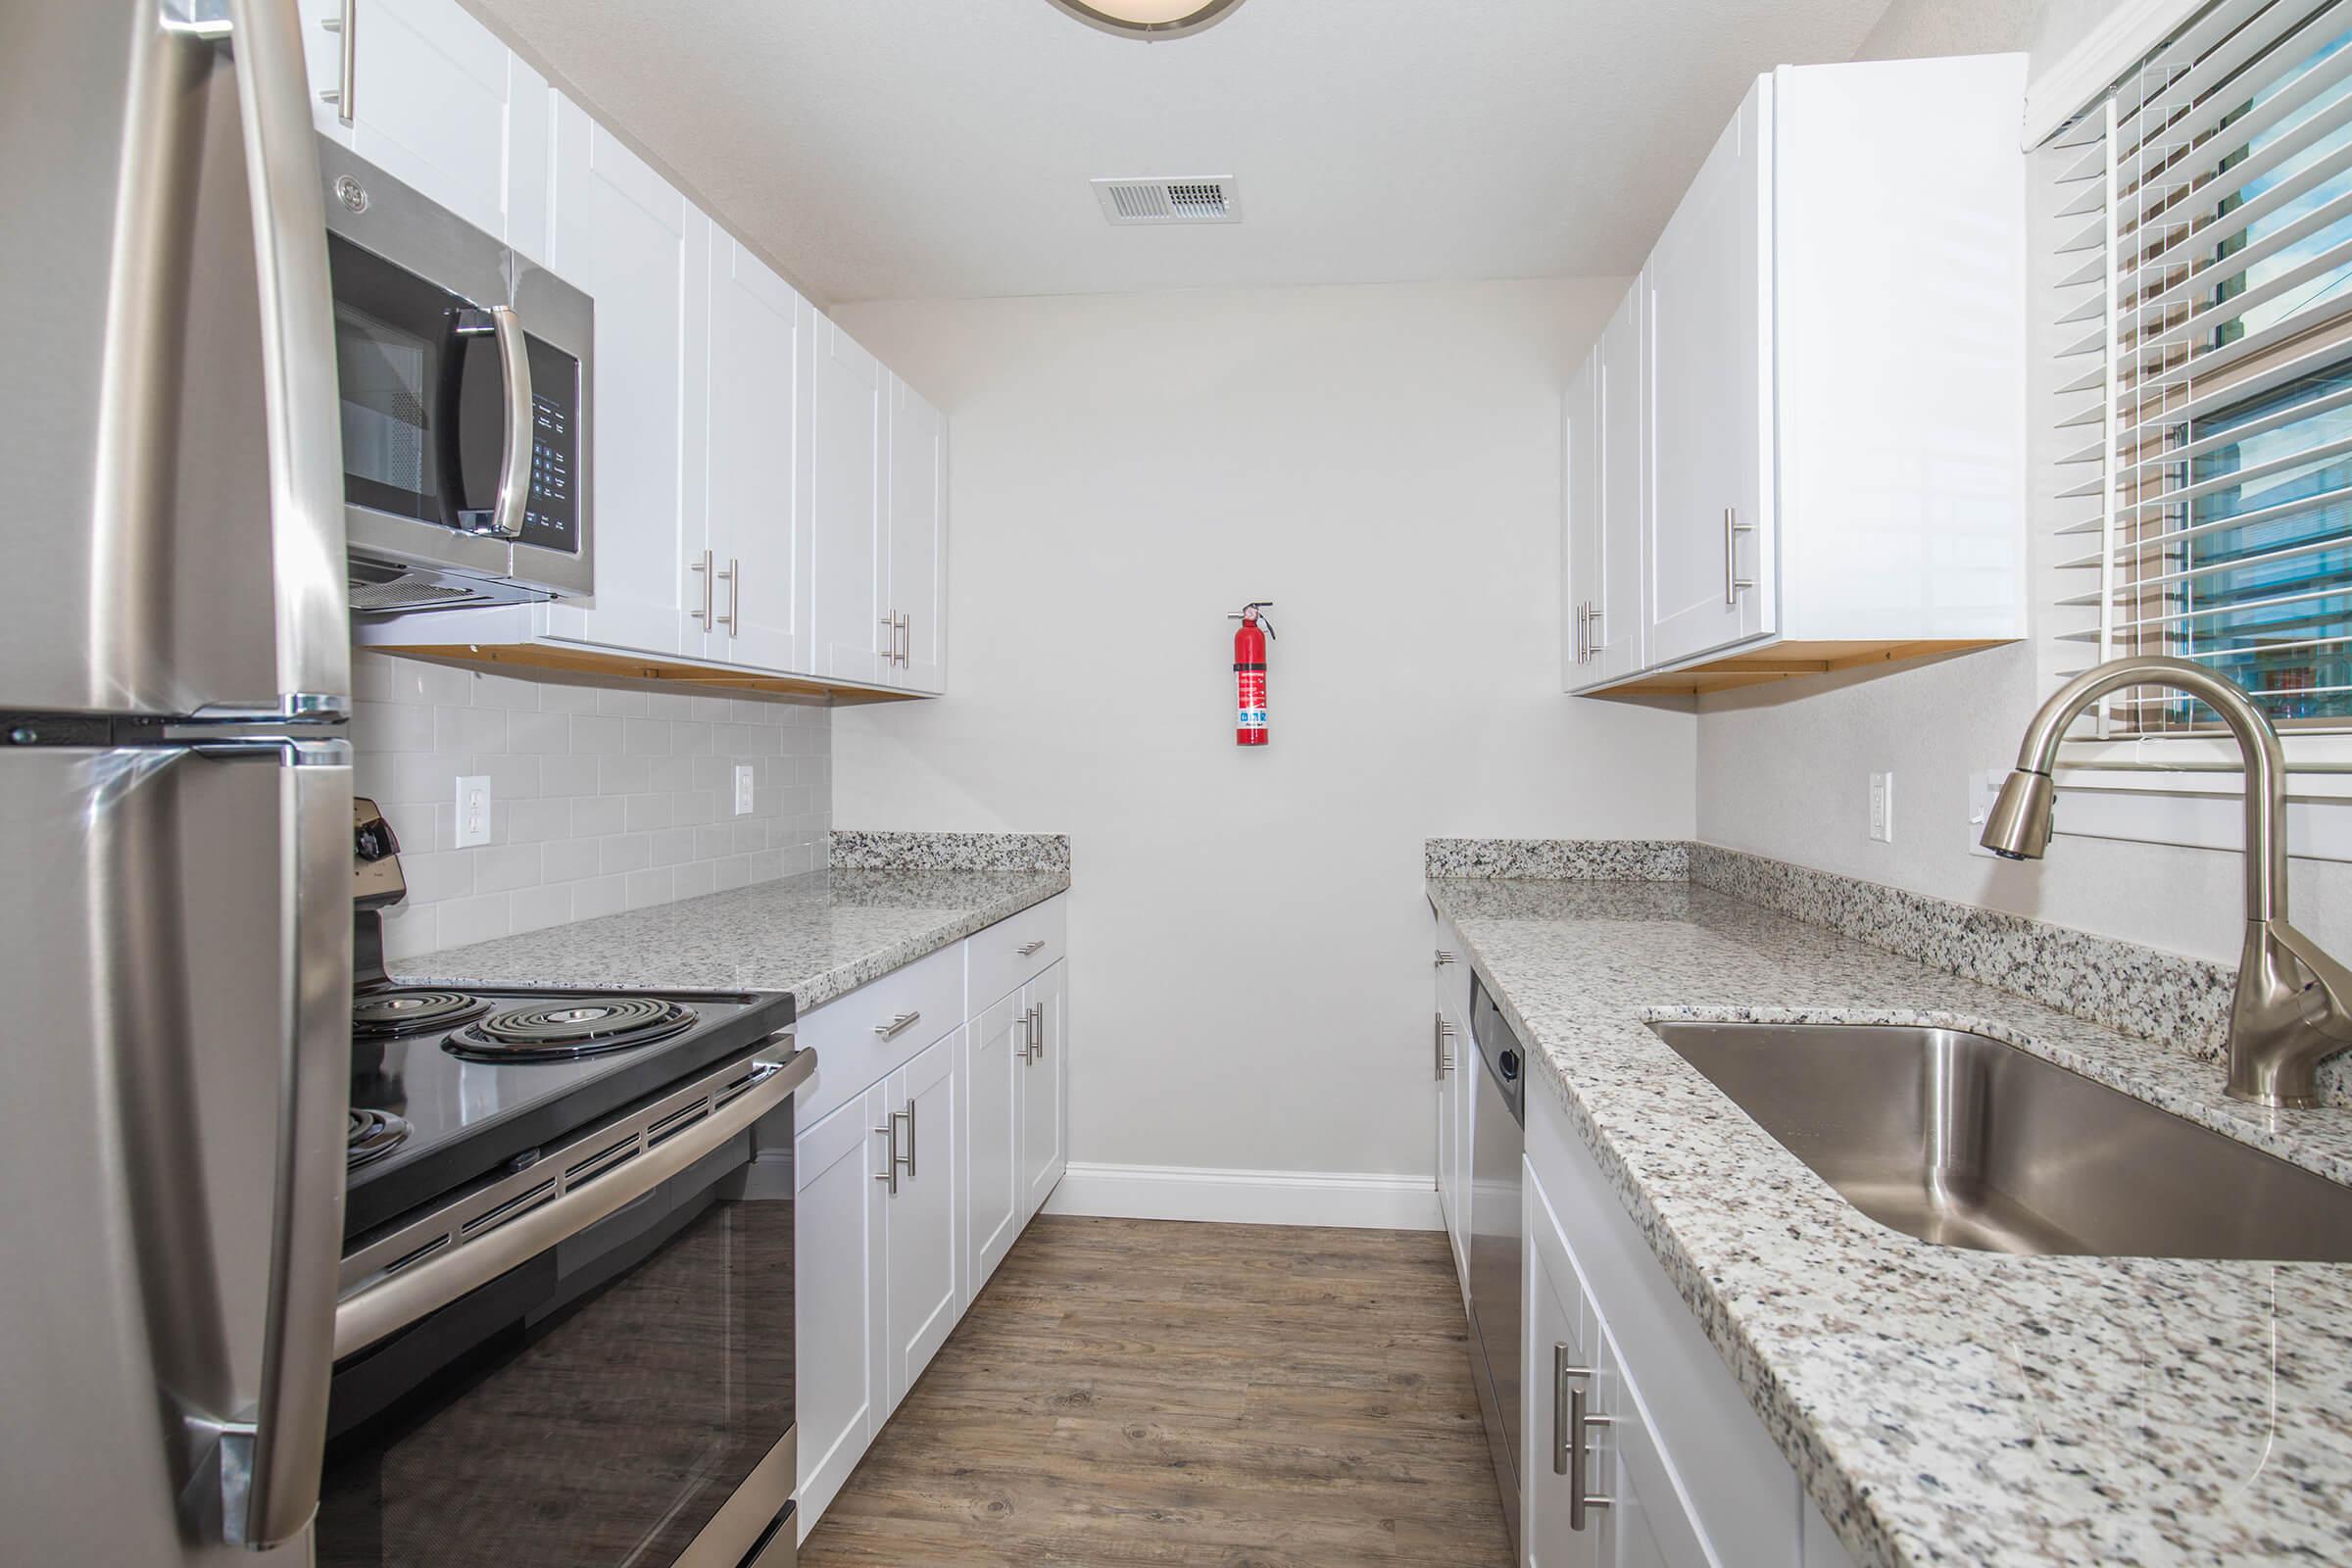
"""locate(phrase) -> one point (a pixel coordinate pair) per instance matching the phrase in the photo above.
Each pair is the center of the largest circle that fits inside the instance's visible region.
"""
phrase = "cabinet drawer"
(1013, 951)
(853, 1051)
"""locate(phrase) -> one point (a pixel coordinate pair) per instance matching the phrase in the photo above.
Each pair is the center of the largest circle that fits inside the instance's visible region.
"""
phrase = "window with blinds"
(2206, 310)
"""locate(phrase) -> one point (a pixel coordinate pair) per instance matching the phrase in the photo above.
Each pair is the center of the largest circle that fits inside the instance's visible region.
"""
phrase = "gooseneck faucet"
(2294, 1002)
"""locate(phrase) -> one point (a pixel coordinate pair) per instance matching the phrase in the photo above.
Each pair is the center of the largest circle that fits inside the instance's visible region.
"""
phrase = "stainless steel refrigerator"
(174, 794)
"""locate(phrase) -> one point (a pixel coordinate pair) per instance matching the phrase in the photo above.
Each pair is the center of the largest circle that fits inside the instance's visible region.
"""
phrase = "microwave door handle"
(514, 459)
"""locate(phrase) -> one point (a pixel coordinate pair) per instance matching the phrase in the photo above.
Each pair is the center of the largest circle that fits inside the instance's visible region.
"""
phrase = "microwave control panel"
(551, 520)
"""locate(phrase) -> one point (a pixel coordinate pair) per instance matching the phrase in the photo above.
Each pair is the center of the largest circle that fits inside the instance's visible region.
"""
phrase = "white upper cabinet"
(848, 612)
(915, 597)
(1706, 291)
(766, 496)
(1608, 491)
(1814, 449)
(640, 251)
(757, 533)
(424, 91)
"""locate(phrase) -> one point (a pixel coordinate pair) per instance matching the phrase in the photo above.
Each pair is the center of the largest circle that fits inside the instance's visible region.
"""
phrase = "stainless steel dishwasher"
(1498, 1138)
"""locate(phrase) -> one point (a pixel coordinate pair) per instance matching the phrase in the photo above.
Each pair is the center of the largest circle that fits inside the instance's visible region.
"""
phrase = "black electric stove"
(565, 1332)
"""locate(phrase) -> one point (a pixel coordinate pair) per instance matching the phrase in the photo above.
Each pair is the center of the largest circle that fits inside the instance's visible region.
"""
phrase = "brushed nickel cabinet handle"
(890, 1159)
(890, 641)
(344, 95)
(1572, 1454)
(1037, 1032)
(701, 569)
(1732, 528)
(733, 578)
(896, 1024)
(1020, 1021)
(1027, 948)
(1443, 958)
(912, 1144)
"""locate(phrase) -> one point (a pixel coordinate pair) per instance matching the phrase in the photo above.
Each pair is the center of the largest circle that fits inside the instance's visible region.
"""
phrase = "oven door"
(623, 1397)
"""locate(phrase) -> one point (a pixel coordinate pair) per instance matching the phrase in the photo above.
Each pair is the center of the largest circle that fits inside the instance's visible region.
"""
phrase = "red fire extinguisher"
(1249, 673)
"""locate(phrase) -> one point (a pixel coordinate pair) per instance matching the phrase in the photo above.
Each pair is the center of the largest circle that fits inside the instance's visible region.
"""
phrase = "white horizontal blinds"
(2204, 352)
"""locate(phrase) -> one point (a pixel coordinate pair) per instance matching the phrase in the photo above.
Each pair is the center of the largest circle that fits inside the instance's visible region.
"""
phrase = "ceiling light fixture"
(1149, 19)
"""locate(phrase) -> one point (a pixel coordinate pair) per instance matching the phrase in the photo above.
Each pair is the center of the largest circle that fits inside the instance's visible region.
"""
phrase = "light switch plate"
(743, 789)
(1882, 808)
(474, 810)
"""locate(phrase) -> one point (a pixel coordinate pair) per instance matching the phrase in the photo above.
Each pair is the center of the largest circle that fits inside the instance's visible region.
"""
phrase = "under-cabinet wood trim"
(645, 671)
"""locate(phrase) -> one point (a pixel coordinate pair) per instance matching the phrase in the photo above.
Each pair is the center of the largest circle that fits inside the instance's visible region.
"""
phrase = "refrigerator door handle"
(271, 1457)
(301, 395)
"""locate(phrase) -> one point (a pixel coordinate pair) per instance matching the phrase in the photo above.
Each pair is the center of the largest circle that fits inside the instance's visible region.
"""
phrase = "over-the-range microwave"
(464, 372)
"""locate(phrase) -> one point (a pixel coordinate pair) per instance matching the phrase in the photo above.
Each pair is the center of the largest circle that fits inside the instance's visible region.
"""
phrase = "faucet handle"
(2331, 1010)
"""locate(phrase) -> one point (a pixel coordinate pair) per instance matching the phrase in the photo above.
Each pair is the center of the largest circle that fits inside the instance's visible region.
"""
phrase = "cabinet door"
(994, 1048)
(846, 575)
(1561, 1323)
(1580, 528)
(921, 1302)
(838, 1269)
(1446, 1054)
(623, 234)
(1045, 1081)
(1616, 642)
(758, 532)
(917, 549)
(1707, 285)
(428, 97)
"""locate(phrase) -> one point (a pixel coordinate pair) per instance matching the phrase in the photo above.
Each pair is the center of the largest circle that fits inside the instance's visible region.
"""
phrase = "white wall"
(1784, 770)
(1249, 964)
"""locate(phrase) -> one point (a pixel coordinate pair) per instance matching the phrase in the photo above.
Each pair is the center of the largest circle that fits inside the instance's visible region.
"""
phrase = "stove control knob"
(373, 840)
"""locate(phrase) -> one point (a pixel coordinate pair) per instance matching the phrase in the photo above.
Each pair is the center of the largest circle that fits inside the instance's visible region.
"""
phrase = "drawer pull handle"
(1028, 948)
(897, 1025)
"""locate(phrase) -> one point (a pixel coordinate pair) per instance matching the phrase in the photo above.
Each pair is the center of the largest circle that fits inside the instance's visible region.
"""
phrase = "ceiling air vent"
(1169, 201)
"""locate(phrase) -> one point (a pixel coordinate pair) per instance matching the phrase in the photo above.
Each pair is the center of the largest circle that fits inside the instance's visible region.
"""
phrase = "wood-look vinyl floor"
(1143, 1392)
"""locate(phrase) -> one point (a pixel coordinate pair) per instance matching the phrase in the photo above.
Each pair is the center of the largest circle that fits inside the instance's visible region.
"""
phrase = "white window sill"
(2190, 792)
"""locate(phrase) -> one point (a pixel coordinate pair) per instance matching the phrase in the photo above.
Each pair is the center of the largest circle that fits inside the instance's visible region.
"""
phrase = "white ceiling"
(907, 149)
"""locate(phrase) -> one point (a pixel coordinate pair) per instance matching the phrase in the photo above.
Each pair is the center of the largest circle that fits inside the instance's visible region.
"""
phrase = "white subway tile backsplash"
(604, 895)
(604, 798)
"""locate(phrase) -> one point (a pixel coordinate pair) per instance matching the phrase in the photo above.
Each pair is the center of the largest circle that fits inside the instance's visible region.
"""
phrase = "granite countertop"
(1941, 1406)
(817, 936)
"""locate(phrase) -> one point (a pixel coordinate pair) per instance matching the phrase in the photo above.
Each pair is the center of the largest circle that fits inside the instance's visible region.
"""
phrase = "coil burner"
(569, 1028)
(392, 1015)
(374, 1135)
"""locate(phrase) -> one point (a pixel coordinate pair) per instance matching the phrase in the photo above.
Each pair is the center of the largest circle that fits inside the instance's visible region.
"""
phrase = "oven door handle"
(514, 459)
(398, 1298)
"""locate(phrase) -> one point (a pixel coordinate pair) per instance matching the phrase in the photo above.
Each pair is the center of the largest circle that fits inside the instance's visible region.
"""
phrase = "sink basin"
(1965, 1141)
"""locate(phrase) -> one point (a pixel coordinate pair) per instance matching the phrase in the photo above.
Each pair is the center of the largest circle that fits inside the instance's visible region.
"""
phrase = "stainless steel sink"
(1966, 1142)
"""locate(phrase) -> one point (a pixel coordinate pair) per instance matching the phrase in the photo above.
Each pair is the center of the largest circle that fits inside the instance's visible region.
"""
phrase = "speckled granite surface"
(1611, 860)
(817, 936)
(1943, 1406)
(862, 849)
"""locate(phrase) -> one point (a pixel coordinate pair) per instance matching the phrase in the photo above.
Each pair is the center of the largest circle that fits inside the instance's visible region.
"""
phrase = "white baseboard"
(1248, 1197)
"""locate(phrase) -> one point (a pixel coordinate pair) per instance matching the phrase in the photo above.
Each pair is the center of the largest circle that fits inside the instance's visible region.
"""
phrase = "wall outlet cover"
(1983, 787)
(474, 810)
(743, 789)
(1882, 808)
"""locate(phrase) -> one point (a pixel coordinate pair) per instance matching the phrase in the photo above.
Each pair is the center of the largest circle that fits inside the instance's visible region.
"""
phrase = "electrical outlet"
(1882, 808)
(1983, 787)
(743, 789)
(474, 810)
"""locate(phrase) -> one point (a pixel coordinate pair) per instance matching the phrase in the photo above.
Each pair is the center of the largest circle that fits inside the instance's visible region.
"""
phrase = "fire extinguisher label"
(1251, 711)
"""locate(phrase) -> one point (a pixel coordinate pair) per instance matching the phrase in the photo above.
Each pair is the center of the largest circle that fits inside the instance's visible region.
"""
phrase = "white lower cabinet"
(1665, 1437)
(915, 1171)
(1453, 1065)
(921, 1301)
(1043, 1076)
(838, 1275)
(995, 1051)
